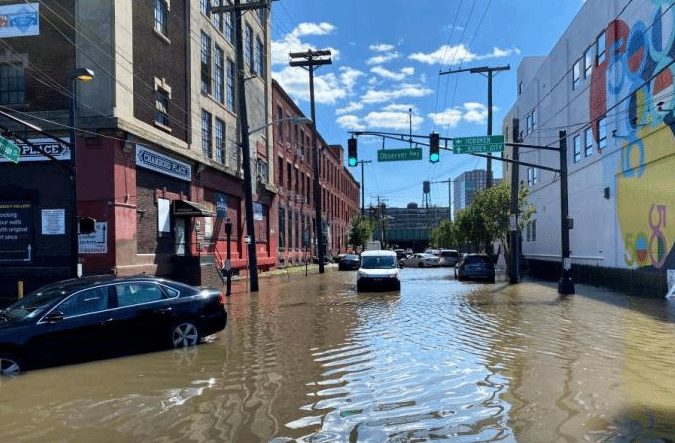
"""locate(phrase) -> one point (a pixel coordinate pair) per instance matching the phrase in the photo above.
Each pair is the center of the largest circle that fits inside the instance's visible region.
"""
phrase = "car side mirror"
(53, 317)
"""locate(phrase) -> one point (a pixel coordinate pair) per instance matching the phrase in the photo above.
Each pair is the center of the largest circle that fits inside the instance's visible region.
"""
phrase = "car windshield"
(34, 303)
(476, 259)
(378, 262)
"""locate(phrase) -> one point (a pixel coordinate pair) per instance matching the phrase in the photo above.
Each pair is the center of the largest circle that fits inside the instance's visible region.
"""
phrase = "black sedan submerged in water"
(93, 317)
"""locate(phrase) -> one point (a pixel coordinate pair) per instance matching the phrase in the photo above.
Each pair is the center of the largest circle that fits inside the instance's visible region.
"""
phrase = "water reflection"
(307, 359)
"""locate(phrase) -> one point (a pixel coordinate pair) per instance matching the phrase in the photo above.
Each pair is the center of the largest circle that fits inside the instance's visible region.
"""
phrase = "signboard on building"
(9, 150)
(469, 145)
(149, 159)
(388, 155)
(16, 231)
(29, 153)
(53, 221)
(96, 242)
(20, 20)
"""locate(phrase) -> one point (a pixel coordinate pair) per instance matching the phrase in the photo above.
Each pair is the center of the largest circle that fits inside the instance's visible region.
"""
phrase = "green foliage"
(360, 231)
(485, 220)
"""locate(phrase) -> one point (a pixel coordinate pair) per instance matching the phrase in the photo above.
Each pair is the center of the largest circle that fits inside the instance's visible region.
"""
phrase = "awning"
(186, 208)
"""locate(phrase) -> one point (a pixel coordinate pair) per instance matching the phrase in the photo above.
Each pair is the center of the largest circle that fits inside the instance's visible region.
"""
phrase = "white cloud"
(381, 47)
(405, 90)
(453, 55)
(351, 107)
(393, 118)
(292, 42)
(381, 59)
(398, 76)
(350, 122)
(469, 112)
(328, 88)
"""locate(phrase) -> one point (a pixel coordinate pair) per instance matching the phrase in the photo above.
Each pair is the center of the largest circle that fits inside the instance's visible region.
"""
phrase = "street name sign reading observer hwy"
(469, 145)
(9, 150)
(390, 155)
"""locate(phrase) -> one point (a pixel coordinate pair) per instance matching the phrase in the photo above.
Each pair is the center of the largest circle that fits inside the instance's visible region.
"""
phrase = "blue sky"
(386, 59)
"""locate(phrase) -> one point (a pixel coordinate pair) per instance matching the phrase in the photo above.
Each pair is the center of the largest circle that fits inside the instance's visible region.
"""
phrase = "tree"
(360, 231)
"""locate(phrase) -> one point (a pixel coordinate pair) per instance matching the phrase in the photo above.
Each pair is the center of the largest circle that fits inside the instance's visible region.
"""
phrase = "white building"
(608, 83)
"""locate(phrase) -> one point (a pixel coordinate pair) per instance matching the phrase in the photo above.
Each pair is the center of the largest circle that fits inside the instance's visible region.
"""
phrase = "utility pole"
(243, 123)
(513, 222)
(363, 188)
(312, 59)
(489, 71)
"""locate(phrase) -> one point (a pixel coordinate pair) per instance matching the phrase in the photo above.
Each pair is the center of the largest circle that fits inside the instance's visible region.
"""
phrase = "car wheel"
(10, 365)
(184, 334)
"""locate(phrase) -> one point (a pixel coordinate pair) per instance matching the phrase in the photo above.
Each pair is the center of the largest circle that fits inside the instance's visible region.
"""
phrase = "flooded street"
(307, 359)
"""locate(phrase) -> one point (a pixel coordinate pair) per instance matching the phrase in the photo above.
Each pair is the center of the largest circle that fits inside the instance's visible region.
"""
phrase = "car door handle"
(108, 322)
(163, 311)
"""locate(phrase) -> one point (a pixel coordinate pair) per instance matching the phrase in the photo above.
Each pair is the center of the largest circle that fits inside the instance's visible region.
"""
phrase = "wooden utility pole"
(312, 59)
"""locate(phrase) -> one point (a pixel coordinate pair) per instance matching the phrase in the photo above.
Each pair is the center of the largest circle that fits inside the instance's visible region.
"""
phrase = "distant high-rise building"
(466, 185)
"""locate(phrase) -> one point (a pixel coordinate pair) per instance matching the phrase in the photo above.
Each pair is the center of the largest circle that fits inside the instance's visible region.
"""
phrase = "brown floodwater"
(307, 359)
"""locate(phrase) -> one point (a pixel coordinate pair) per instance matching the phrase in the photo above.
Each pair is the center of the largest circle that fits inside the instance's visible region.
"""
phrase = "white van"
(378, 271)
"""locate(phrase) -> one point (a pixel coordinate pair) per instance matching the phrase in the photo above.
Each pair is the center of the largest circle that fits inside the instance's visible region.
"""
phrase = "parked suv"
(449, 257)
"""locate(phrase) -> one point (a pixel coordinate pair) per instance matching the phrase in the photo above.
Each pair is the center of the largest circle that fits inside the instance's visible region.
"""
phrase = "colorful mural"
(633, 88)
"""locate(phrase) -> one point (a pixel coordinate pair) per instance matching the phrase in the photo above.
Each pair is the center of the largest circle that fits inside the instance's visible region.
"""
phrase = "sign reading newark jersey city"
(32, 153)
(20, 20)
(149, 159)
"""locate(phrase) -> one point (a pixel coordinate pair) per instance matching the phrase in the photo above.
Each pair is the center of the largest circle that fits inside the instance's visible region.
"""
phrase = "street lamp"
(83, 75)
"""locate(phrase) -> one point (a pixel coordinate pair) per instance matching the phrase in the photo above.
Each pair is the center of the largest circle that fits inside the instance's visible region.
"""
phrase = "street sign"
(389, 155)
(468, 145)
(9, 150)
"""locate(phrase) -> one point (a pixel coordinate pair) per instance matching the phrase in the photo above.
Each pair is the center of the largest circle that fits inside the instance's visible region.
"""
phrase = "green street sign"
(487, 143)
(9, 150)
(390, 155)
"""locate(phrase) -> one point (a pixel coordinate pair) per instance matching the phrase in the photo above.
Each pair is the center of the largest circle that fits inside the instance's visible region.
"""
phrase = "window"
(161, 16)
(534, 119)
(282, 227)
(520, 88)
(589, 57)
(529, 231)
(230, 85)
(204, 6)
(589, 141)
(219, 79)
(600, 48)
(577, 148)
(220, 141)
(534, 230)
(85, 302)
(162, 107)
(206, 63)
(12, 90)
(262, 170)
(280, 124)
(535, 176)
(248, 49)
(602, 133)
(206, 134)
(576, 74)
(229, 25)
(260, 58)
(218, 18)
(129, 294)
(528, 125)
(290, 228)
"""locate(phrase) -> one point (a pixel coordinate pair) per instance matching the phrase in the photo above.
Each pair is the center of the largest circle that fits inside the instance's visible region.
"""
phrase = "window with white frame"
(230, 85)
(220, 141)
(602, 133)
(219, 75)
(206, 134)
(576, 74)
(161, 17)
(589, 141)
(577, 148)
(206, 63)
(162, 108)
(589, 58)
(600, 48)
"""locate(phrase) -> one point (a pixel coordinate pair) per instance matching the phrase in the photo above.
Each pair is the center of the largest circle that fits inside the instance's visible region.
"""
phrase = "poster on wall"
(96, 242)
(20, 20)
(16, 231)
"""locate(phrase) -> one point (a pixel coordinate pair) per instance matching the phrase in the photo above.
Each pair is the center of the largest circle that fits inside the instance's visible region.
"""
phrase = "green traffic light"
(352, 161)
(434, 157)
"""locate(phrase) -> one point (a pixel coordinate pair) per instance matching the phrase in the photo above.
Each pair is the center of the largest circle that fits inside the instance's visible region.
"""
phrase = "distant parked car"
(92, 317)
(349, 262)
(400, 253)
(378, 271)
(420, 260)
(448, 257)
(475, 267)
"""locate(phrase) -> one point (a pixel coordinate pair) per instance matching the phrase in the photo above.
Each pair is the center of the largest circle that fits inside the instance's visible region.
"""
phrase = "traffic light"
(351, 152)
(434, 155)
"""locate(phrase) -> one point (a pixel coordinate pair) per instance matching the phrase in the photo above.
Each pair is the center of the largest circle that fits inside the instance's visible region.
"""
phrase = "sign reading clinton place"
(149, 159)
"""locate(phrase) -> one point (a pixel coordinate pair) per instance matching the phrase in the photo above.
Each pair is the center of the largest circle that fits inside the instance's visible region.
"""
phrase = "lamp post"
(83, 75)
